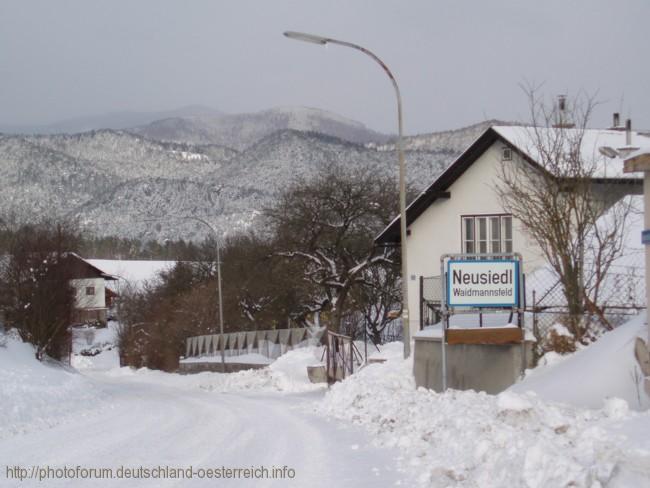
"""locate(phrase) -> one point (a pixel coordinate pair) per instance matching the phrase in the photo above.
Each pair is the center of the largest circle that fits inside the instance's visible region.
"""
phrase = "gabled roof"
(87, 268)
(520, 139)
(527, 140)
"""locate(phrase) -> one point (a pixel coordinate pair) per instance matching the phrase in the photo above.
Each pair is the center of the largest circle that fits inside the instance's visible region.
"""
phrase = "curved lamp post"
(218, 239)
(301, 36)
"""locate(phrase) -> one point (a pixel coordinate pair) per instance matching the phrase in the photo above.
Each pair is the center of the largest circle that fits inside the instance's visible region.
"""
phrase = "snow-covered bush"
(559, 339)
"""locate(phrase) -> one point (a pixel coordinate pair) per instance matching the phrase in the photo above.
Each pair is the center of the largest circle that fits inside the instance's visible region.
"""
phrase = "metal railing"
(343, 356)
(268, 343)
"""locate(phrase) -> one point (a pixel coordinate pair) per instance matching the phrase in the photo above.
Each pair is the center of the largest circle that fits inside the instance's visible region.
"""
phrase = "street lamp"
(218, 240)
(311, 38)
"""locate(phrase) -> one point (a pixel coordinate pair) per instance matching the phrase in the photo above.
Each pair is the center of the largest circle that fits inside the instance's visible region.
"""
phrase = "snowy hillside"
(453, 140)
(122, 184)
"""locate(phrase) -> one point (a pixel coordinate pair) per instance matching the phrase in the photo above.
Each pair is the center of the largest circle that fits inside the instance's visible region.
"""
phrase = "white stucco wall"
(98, 300)
(438, 230)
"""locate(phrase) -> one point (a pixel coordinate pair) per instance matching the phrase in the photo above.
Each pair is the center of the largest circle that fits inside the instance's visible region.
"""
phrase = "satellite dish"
(608, 152)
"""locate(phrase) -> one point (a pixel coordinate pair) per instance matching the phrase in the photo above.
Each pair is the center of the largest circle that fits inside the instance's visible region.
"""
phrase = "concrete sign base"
(481, 367)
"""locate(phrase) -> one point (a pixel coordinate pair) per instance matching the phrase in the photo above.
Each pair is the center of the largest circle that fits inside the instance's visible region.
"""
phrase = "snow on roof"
(524, 138)
(135, 272)
(101, 272)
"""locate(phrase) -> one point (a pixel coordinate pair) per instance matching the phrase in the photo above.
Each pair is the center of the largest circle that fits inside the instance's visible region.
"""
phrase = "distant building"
(92, 298)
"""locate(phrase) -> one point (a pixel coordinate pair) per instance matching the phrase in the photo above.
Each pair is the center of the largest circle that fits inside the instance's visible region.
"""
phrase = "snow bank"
(287, 374)
(289, 371)
(392, 350)
(35, 395)
(605, 369)
(474, 439)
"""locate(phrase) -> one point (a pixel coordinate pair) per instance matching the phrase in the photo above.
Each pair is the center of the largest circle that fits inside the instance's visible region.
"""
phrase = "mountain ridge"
(116, 182)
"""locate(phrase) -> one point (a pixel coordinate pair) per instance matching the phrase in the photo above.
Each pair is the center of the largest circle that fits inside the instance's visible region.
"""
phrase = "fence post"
(351, 357)
(444, 322)
(365, 344)
(535, 331)
(327, 353)
(421, 302)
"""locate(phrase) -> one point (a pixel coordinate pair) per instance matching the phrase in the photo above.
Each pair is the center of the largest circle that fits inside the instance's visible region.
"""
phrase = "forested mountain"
(125, 184)
(240, 131)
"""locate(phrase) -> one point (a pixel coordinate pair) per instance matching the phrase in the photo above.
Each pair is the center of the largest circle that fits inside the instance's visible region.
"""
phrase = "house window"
(481, 235)
(506, 228)
(506, 153)
(468, 235)
(90, 290)
(485, 234)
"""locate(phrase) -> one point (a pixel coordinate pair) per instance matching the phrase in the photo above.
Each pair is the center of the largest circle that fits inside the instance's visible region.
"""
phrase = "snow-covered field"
(132, 272)
(569, 423)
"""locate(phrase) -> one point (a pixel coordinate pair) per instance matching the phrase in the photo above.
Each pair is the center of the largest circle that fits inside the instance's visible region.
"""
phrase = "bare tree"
(328, 224)
(378, 298)
(575, 215)
(35, 285)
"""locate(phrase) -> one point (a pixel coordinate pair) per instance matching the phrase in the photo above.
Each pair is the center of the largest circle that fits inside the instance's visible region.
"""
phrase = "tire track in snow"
(150, 424)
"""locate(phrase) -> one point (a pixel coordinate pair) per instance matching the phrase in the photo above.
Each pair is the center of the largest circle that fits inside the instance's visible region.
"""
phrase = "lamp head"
(301, 36)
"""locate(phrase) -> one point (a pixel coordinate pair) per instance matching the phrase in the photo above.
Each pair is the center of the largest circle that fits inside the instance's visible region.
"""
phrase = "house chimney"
(616, 122)
(562, 121)
(628, 148)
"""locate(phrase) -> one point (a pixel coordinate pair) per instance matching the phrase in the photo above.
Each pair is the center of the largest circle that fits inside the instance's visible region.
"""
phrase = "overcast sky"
(457, 62)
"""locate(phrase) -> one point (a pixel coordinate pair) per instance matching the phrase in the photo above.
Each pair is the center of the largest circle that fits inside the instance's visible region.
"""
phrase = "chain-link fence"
(430, 300)
(613, 298)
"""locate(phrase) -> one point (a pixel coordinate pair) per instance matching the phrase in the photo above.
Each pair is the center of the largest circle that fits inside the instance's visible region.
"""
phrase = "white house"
(460, 212)
(92, 298)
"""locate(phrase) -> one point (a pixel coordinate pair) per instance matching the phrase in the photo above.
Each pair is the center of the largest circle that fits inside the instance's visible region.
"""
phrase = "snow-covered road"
(146, 423)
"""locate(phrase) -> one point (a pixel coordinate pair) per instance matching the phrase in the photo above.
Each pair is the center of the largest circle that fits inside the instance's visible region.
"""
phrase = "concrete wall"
(480, 367)
(438, 230)
(188, 368)
(85, 315)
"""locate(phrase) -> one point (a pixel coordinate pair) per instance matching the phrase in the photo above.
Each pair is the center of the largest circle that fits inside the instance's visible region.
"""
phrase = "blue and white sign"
(483, 283)
(645, 237)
